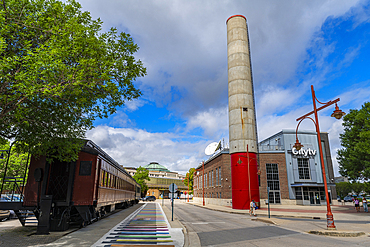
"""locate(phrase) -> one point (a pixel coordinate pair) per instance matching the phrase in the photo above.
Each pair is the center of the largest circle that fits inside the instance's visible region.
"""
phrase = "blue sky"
(294, 44)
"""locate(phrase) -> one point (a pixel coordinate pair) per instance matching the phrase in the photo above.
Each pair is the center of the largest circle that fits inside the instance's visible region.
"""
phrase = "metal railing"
(271, 148)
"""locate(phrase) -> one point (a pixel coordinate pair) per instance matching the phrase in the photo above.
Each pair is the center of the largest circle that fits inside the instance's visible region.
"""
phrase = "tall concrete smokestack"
(242, 117)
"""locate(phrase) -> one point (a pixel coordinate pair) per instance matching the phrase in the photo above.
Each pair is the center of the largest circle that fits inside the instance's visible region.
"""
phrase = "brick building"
(293, 177)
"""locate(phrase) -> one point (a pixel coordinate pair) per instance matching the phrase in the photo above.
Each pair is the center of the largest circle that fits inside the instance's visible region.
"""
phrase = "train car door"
(60, 181)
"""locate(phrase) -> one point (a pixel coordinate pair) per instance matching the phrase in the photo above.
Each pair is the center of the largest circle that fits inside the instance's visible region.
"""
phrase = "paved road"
(224, 229)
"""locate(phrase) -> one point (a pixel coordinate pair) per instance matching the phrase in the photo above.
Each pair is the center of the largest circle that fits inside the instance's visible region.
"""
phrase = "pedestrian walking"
(252, 207)
(364, 204)
(357, 205)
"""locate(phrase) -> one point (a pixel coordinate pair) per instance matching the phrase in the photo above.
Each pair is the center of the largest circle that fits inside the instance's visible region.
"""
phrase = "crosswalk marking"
(146, 225)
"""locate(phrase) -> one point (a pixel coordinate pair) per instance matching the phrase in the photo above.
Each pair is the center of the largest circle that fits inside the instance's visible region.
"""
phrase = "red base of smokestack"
(244, 180)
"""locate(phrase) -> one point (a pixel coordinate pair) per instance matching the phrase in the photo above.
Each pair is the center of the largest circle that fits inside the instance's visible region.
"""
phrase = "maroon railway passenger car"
(62, 193)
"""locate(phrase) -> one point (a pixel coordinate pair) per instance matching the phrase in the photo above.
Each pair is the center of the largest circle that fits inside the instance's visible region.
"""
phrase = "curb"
(332, 233)
(337, 233)
(271, 215)
(265, 220)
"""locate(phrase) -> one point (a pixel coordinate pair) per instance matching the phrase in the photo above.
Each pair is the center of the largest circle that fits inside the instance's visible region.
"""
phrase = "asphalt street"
(216, 228)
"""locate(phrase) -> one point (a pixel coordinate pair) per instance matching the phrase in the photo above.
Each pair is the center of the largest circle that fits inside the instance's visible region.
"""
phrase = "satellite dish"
(212, 148)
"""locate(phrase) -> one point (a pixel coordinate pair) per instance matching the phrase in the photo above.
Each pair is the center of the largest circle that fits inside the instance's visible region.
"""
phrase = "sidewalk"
(348, 222)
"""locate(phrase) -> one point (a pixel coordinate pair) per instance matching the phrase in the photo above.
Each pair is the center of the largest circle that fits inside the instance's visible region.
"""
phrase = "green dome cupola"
(154, 166)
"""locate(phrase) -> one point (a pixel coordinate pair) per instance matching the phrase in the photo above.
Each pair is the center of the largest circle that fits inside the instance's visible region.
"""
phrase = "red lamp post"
(203, 185)
(202, 181)
(188, 186)
(338, 115)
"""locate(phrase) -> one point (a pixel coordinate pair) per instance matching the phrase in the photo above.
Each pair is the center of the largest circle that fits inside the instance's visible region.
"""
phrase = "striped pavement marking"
(147, 226)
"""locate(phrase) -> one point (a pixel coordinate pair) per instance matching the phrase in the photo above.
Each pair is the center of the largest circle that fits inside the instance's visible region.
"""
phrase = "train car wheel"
(83, 224)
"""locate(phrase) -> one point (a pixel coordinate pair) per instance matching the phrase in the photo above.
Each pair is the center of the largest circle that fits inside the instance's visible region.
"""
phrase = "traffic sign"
(173, 188)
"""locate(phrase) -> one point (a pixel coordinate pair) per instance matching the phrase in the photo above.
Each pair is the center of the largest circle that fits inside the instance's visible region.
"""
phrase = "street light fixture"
(338, 115)
(297, 144)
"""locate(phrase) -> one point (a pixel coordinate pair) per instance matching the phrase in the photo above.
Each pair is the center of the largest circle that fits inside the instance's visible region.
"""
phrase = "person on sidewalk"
(357, 204)
(252, 207)
(364, 204)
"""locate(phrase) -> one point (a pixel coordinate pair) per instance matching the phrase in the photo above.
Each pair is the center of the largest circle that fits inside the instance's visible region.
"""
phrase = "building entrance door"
(314, 197)
(317, 197)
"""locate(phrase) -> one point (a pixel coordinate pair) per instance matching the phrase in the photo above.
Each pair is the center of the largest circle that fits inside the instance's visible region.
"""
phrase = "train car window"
(97, 170)
(106, 179)
(85, 168)
(102, 173)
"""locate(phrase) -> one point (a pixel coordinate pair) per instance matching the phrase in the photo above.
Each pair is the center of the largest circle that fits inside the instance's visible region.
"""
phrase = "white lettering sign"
(303, 152)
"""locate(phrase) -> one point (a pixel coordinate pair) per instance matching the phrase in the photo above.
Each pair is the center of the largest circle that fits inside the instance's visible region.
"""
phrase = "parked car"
(348, 199)
(4, 215)
(149, 198)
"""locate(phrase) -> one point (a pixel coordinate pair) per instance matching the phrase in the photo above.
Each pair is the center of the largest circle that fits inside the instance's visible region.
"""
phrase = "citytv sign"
(304, 152)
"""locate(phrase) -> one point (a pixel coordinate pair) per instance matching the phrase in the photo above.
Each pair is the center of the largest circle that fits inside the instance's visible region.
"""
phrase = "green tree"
(354, 157)
(367, 188)
(343, 188)
(189, 178)
(58, 73)
(357, 187)
(16, 166)
(141, 176)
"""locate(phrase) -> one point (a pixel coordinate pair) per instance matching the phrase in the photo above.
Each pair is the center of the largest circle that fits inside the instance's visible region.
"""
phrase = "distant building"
(160, 180)
(340, 179)
(293, 177)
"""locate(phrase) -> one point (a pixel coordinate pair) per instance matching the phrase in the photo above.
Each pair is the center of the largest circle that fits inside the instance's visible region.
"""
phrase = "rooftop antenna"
(212, 148)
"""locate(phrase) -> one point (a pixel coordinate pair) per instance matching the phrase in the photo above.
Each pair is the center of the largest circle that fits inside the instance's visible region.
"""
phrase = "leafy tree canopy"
(357, 187)
(141, 176)
(58, 73)
(366, 188)
(16, 166)
(189, 178)
(343, 189)
(354, 157)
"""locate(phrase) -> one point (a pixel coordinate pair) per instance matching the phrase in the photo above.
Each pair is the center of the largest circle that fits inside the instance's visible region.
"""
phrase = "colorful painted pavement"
(146, 226)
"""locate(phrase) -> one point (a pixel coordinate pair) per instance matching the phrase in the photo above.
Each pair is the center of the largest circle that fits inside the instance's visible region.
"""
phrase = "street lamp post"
(338, 115)
(188, 186)
(202, 180)
(203, 185)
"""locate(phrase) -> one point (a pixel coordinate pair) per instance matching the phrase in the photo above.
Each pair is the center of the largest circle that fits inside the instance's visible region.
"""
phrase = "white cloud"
(133, 105)
(134, 148)
(214, 122)
(121, 119)
(183, 45)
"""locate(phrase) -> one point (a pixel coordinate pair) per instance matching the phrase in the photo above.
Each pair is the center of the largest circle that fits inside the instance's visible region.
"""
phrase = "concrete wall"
(213, 201)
